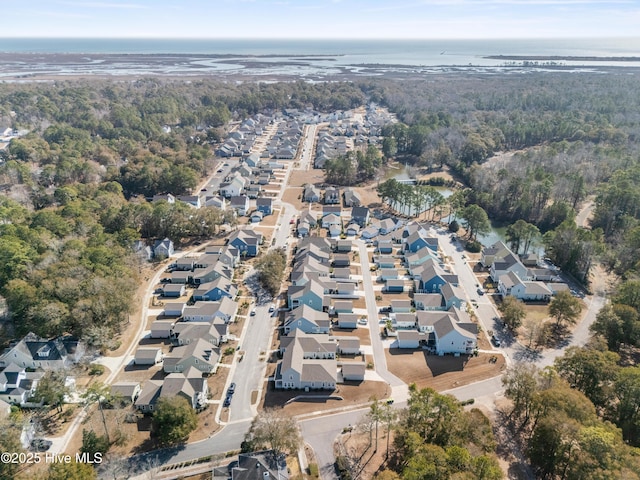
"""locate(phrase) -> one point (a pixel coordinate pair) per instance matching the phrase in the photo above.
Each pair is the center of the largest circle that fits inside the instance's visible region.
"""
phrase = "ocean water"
(308, 57)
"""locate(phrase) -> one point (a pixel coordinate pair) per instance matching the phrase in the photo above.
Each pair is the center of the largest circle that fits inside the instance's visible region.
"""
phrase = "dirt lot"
(293, 195)
(298, 178)
(353, 394)
(441, 373)
(361, 333)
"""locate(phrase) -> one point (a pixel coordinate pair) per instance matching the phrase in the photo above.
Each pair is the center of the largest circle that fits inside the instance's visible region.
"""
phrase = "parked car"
(272, 308)
(362, 321)
(232, 389)
(40, 444)
(227, 401)
(495, 340)
(480, 291)
(253, 312)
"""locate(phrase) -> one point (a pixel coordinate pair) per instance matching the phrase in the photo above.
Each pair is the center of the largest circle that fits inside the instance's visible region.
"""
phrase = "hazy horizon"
(323, 19)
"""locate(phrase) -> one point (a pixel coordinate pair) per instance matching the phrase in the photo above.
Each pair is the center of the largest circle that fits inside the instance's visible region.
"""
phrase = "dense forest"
(75, 187)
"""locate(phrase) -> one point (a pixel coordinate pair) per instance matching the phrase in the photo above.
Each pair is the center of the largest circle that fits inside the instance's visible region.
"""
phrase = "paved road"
(379, 359)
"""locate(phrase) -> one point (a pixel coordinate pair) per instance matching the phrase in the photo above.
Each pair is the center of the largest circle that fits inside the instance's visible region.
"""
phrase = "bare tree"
(275, 430)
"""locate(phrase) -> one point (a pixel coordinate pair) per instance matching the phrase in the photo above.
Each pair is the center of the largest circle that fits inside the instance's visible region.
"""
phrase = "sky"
(324, 19)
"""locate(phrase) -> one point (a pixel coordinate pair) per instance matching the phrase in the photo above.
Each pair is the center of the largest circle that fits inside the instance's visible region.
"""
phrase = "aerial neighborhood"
(307, 297)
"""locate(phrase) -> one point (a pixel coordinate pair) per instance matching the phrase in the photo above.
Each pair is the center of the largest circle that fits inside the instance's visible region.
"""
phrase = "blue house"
(415, 242)
(311, 294)
(246, 241)
(214, 291)
(264, 205)
(431, 280)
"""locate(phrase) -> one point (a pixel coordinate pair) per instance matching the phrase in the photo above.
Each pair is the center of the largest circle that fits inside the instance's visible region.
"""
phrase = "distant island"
(555, 58)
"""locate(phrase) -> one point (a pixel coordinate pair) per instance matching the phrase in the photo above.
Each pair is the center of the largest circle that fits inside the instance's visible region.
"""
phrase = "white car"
(362, 321)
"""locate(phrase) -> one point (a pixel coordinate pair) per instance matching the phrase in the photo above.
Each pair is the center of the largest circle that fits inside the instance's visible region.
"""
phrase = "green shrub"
(96, 369)
(474, 247)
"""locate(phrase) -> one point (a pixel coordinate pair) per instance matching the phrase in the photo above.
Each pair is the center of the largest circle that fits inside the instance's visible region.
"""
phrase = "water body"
(308, 59)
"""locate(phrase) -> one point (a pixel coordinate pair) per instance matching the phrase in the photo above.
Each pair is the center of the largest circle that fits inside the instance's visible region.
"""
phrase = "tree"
(533, 332)
(9, 442)
(92, 443)
(590, 370)
(476, 221)
(51, 389)
(72, 471)
(513, 312)
(275, 430)
(565, 308)
(270, 270)
(98, 392)
(173, 420)
(521, 384)
(625, 410)
(521, 235)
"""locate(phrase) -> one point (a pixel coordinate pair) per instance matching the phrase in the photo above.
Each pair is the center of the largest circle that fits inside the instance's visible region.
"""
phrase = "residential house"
(199, 354)
(17, 385)
(307, 320)
(311, 294)
(308, 362)
(352, 198)
(347, 320)
(388, 225)
(332, 196)
(331, 219)
(214, 332)
(404, 320)
(308, 217)
(342, 306)
(348, 345)
(240, 204)
(496, 251)
(416, 241)
(506, 264)
(173, 309)
(388, 274)
(180, 277)
(193, 200)
(33, 351)
(384, 247)
(311, 193)
(256, 217)
(148, 396)
(353, 371)
(385, 261)
(449, 332)
(401, 306)
(215, 290)
(163, 248)
(246, 241)
(341, 260)
(161, 328)
(126, 391)
(331, 210)
(171, 290)
(453, 296)
(147, 356)
(510, 284)
(394, 285)
(370, 232)
(409, 339)
(264, 205)
(352, 230)
(189, 385)
(234, 187)
(428, 301)
(224, 309)
(360, 215)
(264, 465)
